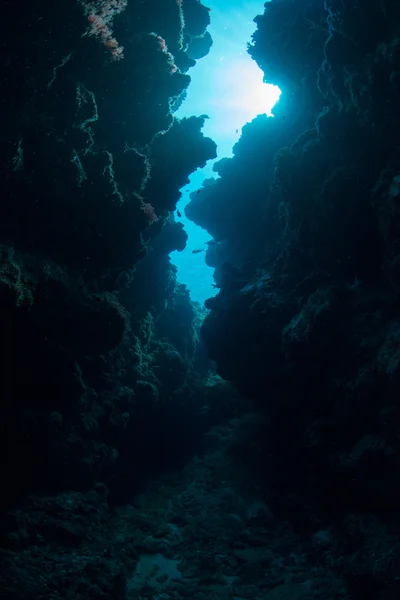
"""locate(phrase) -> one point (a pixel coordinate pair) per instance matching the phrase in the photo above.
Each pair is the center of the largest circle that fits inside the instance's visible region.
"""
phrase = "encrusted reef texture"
(305, 220)
(97, 335)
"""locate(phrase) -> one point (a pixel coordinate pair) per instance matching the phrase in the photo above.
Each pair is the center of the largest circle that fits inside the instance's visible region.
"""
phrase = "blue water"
(227, 85)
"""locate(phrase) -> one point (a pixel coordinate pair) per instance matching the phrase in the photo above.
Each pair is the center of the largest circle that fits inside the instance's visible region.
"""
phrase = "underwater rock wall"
(89, 179)
(305, 224)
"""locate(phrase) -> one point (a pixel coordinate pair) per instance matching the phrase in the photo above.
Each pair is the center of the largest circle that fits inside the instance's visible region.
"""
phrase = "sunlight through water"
(228, 86)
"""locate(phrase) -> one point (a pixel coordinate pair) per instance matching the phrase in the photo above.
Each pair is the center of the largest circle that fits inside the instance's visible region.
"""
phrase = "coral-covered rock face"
(305, 220)
(92, 162)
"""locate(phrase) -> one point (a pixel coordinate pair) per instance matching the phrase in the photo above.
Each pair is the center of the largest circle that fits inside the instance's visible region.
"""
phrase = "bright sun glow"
(240, 94)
